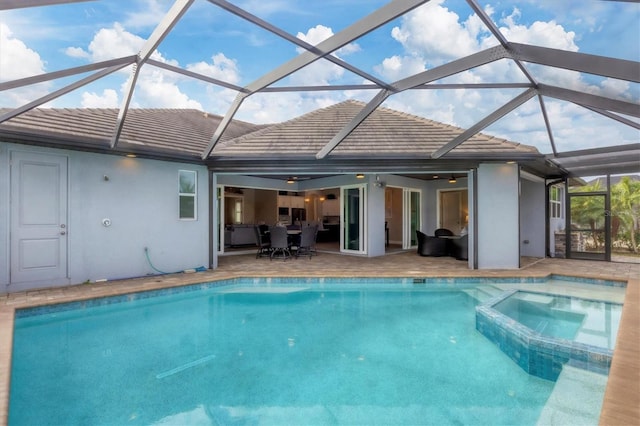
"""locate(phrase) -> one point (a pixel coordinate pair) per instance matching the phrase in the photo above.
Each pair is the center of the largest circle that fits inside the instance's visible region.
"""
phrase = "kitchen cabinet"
(292, 201)
(291, 208)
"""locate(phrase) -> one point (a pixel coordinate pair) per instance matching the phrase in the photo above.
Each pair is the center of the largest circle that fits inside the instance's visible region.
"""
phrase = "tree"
(587, 212)
(625, 205)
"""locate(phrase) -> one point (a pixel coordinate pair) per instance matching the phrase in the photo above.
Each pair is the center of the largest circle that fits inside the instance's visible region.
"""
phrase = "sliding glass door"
(219, 217)
(411, 220)
(353, 219)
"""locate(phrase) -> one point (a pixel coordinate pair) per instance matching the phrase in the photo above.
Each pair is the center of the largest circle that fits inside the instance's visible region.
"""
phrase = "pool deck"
(621, 404)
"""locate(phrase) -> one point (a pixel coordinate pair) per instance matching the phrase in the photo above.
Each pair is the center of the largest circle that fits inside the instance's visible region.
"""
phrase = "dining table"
(294, 238)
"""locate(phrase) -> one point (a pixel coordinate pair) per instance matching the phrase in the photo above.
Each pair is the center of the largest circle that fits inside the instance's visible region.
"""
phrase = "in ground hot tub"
(541, 332)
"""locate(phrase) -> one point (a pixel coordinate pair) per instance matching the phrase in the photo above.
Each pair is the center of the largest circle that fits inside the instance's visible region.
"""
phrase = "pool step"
(538, 299)
(576, 398)
(541, 326)
(482, 293)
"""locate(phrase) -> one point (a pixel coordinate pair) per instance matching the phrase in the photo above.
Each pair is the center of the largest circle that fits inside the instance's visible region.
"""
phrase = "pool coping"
(313, 282)
(613, 409)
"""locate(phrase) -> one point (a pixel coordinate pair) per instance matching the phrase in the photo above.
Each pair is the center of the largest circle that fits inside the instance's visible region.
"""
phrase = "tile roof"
(178, 130)
(385, 132)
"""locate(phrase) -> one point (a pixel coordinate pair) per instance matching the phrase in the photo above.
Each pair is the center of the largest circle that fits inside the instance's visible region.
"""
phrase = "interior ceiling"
(293, 178)
(615, 159)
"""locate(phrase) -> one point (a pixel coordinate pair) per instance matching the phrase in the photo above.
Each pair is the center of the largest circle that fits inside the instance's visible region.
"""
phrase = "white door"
(38, 218)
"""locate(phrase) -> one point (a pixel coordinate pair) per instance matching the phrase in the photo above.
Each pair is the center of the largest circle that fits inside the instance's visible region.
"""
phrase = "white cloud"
(150, 13)
(397, 67)
(221, 68)
(428, 37)
(545, 34)
(322, 71)
(14, 52)
(613, 87)
(155, 90)
(108, 99)
(278, 107)
(435, 34)
(115, 42)
(77, 52)
(576, 128)
(155, 87)
(320, 33)
(110, 43)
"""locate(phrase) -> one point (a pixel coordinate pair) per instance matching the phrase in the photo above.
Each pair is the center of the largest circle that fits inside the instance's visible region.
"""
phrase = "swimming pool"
(313, 352)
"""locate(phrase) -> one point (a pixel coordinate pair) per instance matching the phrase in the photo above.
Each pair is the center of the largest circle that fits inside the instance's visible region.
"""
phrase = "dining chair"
(307, 244)
(263, 243)
(279, 242)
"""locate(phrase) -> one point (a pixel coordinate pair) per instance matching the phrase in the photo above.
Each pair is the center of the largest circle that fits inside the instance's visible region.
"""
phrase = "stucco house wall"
(532, 217)
(138, 196)
(498, 216)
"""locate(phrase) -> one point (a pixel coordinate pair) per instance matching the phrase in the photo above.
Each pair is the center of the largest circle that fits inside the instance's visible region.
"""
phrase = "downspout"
(607, 222)
(212, 201)
(475, 218)
(567, 220)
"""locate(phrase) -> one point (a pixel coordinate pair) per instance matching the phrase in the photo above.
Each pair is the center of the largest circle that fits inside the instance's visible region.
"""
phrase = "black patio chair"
(279, 242)
(307, 244)
(263, 243)
(459, 247)
(443, 232)
(431, 246)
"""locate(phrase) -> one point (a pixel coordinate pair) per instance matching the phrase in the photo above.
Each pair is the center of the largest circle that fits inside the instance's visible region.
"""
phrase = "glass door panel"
(219, 222)
(411, 219)
(588, 226)
(352, 219)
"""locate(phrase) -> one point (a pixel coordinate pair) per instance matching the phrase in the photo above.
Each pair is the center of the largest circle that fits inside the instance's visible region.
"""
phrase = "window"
(555, 202)
(187, 194)
(237, 211)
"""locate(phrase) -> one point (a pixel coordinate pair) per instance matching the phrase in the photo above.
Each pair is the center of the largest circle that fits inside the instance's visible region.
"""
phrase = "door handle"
(63, 233)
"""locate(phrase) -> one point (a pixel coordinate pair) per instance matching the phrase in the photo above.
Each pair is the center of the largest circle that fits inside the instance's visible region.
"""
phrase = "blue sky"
(213, 42)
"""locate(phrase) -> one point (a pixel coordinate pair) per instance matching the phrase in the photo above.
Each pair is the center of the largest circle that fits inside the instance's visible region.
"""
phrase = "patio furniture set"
(285, 242)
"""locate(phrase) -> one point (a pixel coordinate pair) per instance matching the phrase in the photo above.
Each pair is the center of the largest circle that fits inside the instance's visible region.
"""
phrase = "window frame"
(184, 195)
(556, 201)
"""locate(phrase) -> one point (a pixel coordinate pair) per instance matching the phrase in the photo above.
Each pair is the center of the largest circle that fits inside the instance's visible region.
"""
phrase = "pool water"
(585, 321)
(228, 355)
(539, 316)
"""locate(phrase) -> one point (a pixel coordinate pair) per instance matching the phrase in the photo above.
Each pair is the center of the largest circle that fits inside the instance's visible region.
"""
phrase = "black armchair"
(432, 246)
(460, 247)
(443, 232)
